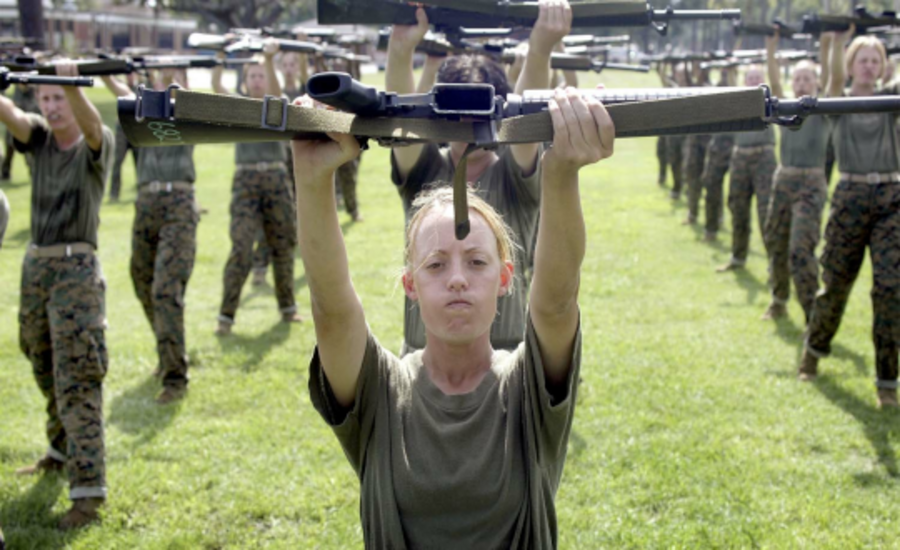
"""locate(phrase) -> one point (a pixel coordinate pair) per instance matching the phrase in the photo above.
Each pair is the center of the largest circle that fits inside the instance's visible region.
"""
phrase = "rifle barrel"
(834, 106)
(7, 78)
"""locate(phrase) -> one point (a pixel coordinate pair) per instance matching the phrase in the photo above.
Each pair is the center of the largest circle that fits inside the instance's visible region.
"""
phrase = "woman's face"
(753, 77)
(867, 66)
(255, 80)
(456, 283)
(804, 82)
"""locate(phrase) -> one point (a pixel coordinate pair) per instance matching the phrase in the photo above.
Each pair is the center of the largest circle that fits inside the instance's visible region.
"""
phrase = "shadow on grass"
(18, 239)
(877, 424)
(256, 347)
(748, 281)
(136, 413)
(27, 520)
(788, 331)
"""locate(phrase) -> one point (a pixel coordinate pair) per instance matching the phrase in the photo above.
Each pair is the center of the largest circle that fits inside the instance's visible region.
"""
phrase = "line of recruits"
(70, 154)
(791, 195)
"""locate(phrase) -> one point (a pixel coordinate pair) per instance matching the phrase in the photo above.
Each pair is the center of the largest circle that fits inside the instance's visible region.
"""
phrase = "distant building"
(108, 27)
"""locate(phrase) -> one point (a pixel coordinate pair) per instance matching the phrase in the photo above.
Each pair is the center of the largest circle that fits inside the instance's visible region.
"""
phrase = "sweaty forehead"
(49, 90)
(437, 232)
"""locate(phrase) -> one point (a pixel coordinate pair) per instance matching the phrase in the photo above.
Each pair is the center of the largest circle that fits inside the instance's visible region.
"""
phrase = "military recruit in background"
(489, 225)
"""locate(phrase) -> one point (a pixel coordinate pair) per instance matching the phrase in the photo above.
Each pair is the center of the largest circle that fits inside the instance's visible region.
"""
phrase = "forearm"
(824, 61)
(216, 78)
(773, 72)
(273, 86)
(429, 74)
(116, 86)
(398, 75)
(535, 76)
(837, 77)
(86, 116)
(15, 120)
(303, 61)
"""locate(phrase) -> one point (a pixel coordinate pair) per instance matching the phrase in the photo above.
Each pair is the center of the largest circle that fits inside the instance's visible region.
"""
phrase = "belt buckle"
(873, 178)
(262, 166)
(169, 187)
(154, 187)
(68, 251)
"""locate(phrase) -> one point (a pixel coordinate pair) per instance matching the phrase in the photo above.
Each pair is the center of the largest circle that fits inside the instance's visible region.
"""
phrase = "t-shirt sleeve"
(40, 130)
(527, 188)
(552, 412)
(423, 172)
(353, 426)
(100, 161)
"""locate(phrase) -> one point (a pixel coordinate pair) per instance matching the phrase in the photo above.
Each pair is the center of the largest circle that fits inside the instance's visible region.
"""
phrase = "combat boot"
(291, 317)
(84, 511)
(887, 398)
(224, 328)
(774, 311)
(171, 395)
(809, 367)
(46, 465)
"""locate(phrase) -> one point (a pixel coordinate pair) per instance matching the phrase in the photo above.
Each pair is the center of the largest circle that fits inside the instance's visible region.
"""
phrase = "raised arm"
(15, 120)
(553, 23)
(583, 133)
(116, 86)
(273, 86)
(337, 311)
(399, 78)
(429, 73)
(825, 40)
(838, 74)
(772, 66)
(217, 75)
(86, 115)
(302, 61)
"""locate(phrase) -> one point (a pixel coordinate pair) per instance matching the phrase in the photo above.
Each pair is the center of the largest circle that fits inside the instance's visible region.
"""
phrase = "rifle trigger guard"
(265, 114)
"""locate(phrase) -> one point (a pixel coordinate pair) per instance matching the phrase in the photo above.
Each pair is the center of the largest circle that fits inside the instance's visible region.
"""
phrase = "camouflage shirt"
(67, 186)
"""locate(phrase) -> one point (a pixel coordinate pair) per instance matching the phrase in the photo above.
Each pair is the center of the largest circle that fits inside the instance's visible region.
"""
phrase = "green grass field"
(691, 430)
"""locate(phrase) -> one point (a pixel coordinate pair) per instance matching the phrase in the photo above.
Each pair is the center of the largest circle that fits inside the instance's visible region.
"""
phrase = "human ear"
(506, 278)
(409, 286)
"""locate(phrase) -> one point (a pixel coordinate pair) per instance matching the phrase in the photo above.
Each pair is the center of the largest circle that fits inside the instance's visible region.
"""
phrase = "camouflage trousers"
(163, 246)
(260, 198)
(718, 160)
(61, 331)
(675, 158)
(122, 148)
(694, 159)
(751, 174)
(661, 157)
(792, 230)
(862, 215)
(345, 180)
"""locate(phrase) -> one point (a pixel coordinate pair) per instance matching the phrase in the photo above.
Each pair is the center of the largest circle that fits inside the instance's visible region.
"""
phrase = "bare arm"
(337, 311)
(15, 120)
(583, 133)
(429, 73)
(399, 78)
(217, 75)
(116, 86)
(825, 41)
(553, 23)
(838, 76)
(772, 66)
(86, 115)
(273, 86)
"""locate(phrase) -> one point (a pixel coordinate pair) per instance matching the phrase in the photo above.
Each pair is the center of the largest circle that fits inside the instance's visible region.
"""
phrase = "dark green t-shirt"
(755, 139)
(867, 142)
(175, 163)
(805, 147)
(477, 470)
(67, 186)
(515, 197)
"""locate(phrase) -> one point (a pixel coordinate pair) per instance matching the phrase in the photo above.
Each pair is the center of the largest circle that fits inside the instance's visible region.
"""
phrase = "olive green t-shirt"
(175, 163)
(867, 142)
(67, 186)
(805, 147)
(477, 470)
(266, 151)
(4, 216)
(755, 139)
(515, 196)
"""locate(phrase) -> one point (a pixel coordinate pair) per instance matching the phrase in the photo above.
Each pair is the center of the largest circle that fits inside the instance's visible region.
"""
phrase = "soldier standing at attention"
(865, 213)
(799, 192)
(260, 196)
(62, 310)
(508, 179)
(752, 166)
(164, 243)
(718, 159)
(25, 98)
(675, 144)
(694, 155)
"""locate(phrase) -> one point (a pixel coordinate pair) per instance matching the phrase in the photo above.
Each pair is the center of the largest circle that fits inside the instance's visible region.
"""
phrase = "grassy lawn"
(691, 430)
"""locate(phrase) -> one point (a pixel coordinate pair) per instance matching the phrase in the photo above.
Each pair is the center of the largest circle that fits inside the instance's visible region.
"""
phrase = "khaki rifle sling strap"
(211, 118)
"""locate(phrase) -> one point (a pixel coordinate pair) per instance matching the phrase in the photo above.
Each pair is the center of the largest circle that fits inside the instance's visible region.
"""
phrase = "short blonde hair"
(442, 196)
(859, 43)
(806, 65)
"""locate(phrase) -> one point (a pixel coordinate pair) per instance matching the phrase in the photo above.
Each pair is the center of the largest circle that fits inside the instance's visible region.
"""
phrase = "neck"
(67, 137)
(457, 368)
(862, 89)
(478, 162)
